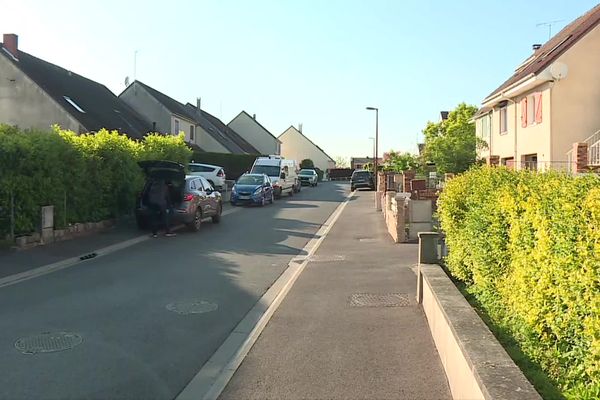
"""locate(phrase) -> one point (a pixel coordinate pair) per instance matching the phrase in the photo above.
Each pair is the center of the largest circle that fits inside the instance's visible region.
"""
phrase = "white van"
(283, 174)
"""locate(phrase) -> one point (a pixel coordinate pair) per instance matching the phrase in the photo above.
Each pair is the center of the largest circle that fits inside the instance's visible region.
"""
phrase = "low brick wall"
(57, 235)
(394, 213)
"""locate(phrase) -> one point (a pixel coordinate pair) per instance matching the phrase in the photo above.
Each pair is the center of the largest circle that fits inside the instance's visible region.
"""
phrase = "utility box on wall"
(420, 217)
(47, 226)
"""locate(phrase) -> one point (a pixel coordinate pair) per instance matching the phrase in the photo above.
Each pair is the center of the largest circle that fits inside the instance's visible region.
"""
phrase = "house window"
(75, 105)
(531, 110)
(176, 127)
(503, 119)
(486, 128)
(508, 162)
(191, 132)
(529, 162)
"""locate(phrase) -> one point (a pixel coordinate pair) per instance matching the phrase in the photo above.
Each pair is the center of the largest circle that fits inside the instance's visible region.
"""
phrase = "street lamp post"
(376, 142)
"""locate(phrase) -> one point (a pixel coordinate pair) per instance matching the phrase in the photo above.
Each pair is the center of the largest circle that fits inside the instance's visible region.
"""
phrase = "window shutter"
(524, 112)
(538, 108)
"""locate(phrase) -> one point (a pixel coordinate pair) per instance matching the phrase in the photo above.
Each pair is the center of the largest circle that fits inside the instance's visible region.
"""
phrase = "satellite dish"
(559, 71)
(126, 81)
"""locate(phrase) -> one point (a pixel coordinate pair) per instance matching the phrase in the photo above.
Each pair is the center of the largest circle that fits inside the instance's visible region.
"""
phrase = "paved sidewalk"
(318, 345)
(17, 261)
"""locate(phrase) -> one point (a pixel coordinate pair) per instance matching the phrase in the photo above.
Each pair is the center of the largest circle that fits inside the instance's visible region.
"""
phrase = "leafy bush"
(307, 163)
(234, 164)
(528, 247)
(86, 177)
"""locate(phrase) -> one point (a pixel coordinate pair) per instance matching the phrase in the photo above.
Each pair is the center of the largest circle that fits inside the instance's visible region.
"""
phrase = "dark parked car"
(362, 179)
(193, 197)
(252, 189)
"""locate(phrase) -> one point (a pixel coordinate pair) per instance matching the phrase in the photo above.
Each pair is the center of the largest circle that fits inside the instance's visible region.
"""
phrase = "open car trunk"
(171, 172)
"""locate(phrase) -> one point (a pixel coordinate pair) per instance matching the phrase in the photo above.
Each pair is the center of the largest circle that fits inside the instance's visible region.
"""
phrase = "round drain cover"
(192, 307)
(48, 342)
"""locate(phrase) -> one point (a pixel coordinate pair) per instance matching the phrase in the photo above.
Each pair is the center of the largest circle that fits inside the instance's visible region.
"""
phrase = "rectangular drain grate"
(379, 300)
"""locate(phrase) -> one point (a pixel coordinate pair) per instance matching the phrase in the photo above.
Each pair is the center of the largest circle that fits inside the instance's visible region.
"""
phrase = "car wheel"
(217, 217)
(197, 222)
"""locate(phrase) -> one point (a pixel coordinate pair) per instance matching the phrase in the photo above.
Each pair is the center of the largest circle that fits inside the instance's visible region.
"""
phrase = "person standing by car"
(159, 201)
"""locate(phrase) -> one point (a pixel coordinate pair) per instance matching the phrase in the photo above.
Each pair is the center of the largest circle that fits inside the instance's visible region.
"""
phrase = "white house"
(296, 146)
(255, 134)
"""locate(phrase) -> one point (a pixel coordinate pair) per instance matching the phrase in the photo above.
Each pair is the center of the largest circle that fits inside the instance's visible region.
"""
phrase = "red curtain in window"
(538, 108)
(524, 112)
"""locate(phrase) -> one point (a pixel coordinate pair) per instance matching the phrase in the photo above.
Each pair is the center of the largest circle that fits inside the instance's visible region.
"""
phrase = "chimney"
(198, 101)
(11, 43)
(253, 116)
(300, 127)
(536, 47)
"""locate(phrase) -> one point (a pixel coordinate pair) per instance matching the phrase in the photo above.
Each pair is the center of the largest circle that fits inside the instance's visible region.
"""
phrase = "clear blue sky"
(314, 62)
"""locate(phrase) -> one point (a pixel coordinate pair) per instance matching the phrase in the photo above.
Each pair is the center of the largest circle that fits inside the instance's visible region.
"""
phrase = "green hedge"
(95, 176)
(234, 164)
(527, 245)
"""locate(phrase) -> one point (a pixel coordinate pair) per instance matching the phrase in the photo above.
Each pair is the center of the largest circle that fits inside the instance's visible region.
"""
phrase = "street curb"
(216, 373)
(72, 261)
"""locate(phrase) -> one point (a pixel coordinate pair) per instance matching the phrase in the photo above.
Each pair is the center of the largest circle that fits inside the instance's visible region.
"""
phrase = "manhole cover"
(192, 307)
(379, 300)
(367, 240)
(325, 258)
(48, 342)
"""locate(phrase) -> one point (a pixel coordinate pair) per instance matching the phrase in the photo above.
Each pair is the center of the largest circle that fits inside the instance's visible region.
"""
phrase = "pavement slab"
(350, 327)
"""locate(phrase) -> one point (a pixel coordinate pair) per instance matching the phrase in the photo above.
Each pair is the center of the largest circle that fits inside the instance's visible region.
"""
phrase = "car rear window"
(200, 168)
(361, 174)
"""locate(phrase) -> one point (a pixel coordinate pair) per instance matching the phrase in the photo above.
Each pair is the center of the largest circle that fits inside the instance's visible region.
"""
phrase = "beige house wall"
(294, 146)
(569, 111)
(576, 99)
(535, 138)
(24, 104)
(253, 133)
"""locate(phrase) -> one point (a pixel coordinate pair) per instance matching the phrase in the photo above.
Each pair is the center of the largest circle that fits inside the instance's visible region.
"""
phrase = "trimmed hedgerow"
(527, 245)
(87, 177)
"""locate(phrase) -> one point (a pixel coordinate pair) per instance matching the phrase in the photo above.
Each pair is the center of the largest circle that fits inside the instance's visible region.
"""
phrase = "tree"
(397, 161)
(307, 163)
(451, 144)
(341, 162)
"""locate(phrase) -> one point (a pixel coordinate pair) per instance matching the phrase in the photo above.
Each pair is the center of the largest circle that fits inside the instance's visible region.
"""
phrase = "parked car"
(193, 196)
(361, 179)
(282, 172)
(214, 174)
(252, 189)
(308, 177)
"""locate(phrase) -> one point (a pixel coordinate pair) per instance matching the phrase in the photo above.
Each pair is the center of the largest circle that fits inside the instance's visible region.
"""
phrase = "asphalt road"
(133, 346)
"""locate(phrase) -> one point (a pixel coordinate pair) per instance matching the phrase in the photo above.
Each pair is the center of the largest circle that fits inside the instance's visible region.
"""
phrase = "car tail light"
(221, 174)
(188, 197)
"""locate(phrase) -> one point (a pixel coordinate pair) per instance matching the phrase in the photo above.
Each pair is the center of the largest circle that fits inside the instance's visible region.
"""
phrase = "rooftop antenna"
(549, 25)
(135, 65)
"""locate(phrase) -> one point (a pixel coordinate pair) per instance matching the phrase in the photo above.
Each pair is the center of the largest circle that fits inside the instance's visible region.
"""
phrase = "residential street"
(133, 345)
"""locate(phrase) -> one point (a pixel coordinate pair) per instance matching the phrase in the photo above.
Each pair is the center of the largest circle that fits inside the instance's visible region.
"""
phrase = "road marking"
(216, 373)
(69, 262)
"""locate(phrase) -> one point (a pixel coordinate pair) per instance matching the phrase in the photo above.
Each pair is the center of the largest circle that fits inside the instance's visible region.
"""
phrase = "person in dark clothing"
(159, 202)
